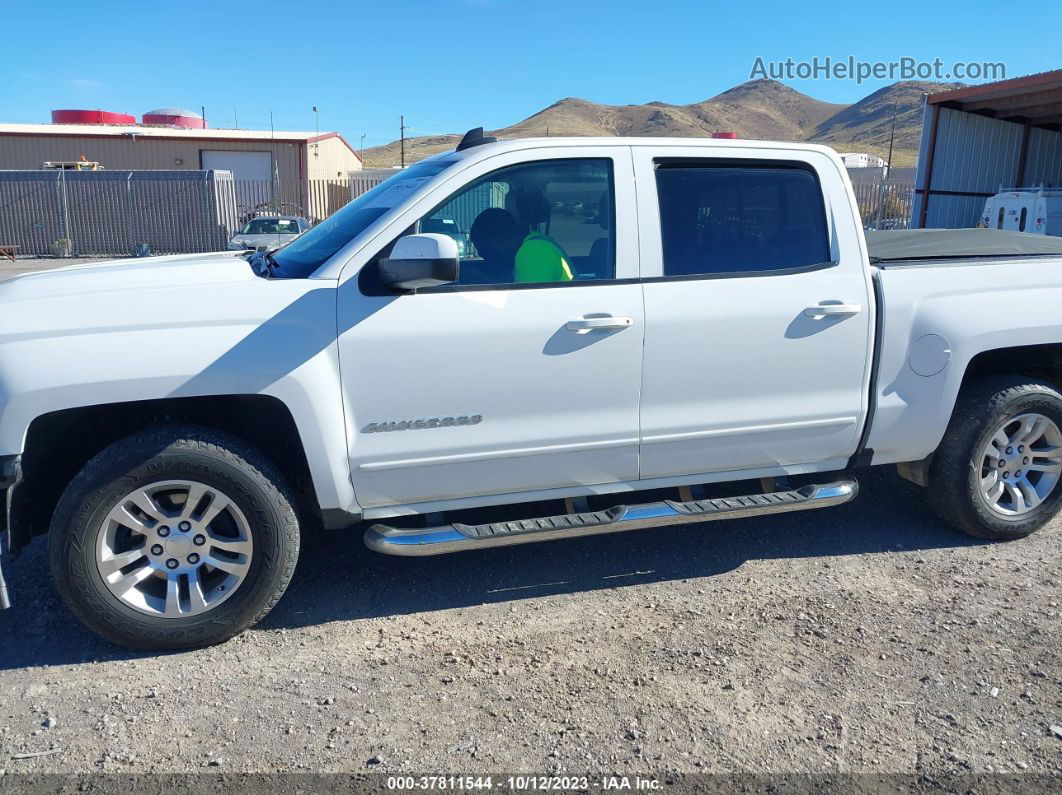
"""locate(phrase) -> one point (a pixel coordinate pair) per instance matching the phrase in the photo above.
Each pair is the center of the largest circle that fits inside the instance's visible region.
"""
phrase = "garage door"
(252, 172)
(243, 165)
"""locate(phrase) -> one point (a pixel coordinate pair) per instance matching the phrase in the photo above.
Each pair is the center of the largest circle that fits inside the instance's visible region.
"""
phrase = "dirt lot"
(868, 638)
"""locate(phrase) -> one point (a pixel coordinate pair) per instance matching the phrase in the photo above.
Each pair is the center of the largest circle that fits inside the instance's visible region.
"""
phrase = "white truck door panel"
(747, 370)
(548, 376)
(558, 407)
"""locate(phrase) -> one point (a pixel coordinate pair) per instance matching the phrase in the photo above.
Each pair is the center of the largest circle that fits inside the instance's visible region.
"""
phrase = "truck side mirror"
(417, 261)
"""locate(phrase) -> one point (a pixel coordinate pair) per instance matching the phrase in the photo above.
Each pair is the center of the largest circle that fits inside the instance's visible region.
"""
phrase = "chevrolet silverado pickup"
(588, 335)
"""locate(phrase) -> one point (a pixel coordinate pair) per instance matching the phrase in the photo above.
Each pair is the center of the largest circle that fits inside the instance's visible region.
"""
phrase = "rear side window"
(719, 217)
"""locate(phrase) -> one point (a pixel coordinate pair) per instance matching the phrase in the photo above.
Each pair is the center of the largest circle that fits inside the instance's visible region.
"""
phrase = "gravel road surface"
(867, 638)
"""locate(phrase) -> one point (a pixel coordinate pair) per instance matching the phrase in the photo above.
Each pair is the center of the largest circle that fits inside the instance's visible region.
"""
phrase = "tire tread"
(952, 492)
(66, 544)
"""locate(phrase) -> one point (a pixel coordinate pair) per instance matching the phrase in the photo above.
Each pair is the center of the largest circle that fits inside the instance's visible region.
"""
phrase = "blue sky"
(453, 64)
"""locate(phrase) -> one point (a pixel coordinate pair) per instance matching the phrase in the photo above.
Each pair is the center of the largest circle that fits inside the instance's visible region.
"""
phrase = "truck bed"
(910, 247)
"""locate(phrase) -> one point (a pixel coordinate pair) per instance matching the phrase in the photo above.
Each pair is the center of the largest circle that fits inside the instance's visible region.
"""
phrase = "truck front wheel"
(997, 473)
(176, 537)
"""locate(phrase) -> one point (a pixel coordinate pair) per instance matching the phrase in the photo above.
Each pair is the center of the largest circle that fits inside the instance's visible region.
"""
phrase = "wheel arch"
(58, 444)
(1041, 361)
(1038, 361)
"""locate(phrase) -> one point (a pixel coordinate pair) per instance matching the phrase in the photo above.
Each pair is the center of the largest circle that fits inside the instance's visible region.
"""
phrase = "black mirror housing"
(416, 274)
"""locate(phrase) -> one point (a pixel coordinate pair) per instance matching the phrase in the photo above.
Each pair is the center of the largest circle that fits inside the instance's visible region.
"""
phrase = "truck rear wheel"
(998, 472)
(177, 537)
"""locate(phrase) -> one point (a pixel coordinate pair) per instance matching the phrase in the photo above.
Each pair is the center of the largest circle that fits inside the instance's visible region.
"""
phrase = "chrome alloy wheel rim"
(1021, 464)
(174, 549)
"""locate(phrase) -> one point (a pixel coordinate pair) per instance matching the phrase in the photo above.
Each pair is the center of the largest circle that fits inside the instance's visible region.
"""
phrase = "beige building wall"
(330, 159)
(131, 152)
(313, 175)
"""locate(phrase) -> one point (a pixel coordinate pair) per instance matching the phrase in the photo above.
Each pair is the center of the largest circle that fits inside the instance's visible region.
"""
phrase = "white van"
(1034, 210)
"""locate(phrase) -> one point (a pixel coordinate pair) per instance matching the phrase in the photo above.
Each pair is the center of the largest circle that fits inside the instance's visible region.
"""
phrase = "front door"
(522, 377)
(758, 312)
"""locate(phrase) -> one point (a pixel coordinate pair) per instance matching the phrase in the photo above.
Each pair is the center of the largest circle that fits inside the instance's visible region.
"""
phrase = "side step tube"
(458, 537)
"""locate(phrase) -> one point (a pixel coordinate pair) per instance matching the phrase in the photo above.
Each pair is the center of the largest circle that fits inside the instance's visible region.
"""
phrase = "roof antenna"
(475, 137)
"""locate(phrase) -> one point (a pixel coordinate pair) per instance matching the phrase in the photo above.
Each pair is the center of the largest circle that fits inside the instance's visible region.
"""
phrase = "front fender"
(240, 335)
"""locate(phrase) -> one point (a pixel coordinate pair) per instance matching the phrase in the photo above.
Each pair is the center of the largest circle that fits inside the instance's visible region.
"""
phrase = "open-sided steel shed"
(980, 139)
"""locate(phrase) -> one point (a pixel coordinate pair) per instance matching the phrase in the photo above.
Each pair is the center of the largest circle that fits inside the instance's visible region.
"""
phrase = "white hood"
(181, 270)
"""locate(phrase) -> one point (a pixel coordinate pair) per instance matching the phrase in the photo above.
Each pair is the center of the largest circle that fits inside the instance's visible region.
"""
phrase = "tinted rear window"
(732, 219)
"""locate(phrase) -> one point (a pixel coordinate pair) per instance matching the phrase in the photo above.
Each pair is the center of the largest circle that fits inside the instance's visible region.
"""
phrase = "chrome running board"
(457, 537)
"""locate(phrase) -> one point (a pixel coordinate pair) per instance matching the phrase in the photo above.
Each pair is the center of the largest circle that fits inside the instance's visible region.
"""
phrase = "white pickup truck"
(596, 334)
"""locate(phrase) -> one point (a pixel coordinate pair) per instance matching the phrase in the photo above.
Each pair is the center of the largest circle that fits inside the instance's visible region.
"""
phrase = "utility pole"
(363, 147)
(885, 175)
(892, 138)
(402, 134)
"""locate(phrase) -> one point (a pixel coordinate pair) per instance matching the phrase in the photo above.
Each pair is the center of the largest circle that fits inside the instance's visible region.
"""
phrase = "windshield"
(306, 254)
(271, 226)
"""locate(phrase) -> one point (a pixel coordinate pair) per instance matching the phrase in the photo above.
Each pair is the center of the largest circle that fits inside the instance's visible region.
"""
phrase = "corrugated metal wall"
(973, 158)
(1043, 162)
(330, 165)
(330, 159)
(123, 152)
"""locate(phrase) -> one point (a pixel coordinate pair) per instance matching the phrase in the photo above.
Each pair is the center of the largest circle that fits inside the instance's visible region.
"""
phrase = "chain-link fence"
(72, 213)
(121, 213)
(885, 203)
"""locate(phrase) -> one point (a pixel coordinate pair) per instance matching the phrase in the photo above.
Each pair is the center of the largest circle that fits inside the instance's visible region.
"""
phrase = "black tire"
(954, 475)
(193, 453)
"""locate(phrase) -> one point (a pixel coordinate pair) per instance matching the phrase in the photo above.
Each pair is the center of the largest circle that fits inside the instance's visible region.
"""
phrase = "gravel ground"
(866, 638)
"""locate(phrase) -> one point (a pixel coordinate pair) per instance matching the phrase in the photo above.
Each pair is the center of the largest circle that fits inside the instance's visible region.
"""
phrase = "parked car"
(265, 233)
(175, 424)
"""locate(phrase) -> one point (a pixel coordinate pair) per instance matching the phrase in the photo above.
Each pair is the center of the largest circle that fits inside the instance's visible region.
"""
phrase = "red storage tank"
(175, 117)
(91, 117)
(724, 135)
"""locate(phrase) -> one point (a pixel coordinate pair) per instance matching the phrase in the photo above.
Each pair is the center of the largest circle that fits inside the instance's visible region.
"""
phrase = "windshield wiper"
(264, 263)
(271, 263)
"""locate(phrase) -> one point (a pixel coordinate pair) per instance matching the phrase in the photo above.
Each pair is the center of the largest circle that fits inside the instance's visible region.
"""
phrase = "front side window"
(721, 218)
(545, 222)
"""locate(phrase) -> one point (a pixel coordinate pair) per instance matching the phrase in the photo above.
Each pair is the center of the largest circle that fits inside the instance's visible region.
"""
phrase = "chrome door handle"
(833, 310)
(591, 323)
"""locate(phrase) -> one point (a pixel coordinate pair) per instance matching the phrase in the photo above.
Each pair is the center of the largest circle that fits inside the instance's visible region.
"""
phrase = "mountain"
(758, 109)
(867, 124)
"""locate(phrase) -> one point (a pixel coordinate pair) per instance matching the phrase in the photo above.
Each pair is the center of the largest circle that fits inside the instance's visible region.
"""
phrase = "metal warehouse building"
(298, 168)
(979, 140)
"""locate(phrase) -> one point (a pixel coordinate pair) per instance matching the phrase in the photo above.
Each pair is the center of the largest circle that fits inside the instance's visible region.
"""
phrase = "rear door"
(758, 312)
